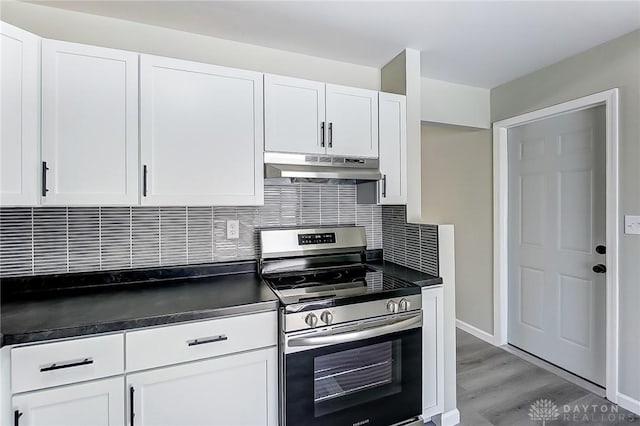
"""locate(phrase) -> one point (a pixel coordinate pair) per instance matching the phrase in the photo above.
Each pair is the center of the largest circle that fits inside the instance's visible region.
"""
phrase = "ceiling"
(480, 43)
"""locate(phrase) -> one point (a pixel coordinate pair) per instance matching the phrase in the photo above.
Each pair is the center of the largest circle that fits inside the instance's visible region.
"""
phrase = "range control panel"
(323, 238)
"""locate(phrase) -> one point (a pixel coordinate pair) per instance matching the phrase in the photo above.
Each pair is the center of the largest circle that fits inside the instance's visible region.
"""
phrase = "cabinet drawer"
(186, 342)
(60, 363)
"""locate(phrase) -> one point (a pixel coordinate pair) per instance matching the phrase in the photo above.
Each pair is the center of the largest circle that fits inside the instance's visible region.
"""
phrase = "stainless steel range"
(350, 335)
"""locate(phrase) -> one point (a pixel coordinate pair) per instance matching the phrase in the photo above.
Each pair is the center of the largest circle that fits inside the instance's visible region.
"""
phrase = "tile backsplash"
(47, 240)
(408, 244)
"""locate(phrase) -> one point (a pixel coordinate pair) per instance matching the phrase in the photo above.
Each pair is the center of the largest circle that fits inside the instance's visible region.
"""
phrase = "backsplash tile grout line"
(108, 238)
(400, 244)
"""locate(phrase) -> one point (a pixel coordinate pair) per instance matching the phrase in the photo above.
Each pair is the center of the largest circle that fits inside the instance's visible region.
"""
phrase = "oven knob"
(327, 317)
(311, 320)
(392, 306)
(404, 305)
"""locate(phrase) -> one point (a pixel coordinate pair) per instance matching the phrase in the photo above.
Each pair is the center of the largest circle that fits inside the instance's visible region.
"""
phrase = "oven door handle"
(350, 336)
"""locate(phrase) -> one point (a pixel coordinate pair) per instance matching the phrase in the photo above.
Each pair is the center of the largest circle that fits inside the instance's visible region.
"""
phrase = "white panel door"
(352, 121)
(99, 403)
(432, 351)
(20, 116)
(89, 124)
(393, 148)
(556, 220)
(201, 133)
(293, 115)
(233, 390)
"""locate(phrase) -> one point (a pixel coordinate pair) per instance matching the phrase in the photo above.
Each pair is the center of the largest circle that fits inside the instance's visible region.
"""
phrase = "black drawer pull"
(16, 417)
(384, 186)
(44, 178)
(132, 413)
(144, 180)
(55, 366)
(220, 338)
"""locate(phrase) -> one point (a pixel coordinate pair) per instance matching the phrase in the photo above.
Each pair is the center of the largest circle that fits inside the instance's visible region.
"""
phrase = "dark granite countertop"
(71, 305)
(116, 308)
(407, 274)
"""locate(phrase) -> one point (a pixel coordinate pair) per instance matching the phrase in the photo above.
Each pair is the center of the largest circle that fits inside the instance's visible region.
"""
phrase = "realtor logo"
(544, 409)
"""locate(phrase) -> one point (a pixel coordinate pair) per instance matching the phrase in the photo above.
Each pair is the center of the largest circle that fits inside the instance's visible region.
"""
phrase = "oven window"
(356, 376)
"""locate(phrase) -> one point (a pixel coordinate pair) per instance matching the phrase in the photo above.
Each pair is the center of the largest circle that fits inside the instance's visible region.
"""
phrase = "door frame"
(609, 99)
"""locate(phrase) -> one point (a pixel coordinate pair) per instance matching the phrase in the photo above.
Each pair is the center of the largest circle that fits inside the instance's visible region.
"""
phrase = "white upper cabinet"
(201, 133)
(352, 121)
(293, 115)
(20, 109)
(393, 149)
(89, 125)
(308, 117)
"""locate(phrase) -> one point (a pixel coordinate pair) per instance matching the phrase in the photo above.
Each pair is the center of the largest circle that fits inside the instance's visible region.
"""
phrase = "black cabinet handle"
(57, 366)
(330, 135)
(132, 413)
(322, 134)
(44, 178)
(384, 186)
(600, 249)
(213, 339)
(16, 417)
(144, 180)
(599, 268)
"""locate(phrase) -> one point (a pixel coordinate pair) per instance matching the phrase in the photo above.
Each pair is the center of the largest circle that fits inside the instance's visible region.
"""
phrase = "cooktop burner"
(315, 285)
(322, 278)
(319, 277)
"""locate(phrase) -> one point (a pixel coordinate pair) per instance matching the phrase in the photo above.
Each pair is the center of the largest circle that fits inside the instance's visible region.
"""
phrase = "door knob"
(599, 268)
(600, 249)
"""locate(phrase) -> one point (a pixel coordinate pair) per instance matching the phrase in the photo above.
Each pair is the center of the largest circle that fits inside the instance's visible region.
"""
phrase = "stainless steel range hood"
(320, 167)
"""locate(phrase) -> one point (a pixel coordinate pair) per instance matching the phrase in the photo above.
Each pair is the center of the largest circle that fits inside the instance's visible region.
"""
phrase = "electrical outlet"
(632, 225)
(233, 229)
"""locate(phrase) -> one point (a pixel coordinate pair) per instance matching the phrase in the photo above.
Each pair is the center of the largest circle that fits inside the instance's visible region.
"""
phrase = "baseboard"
(629, 403)
(450, 418)
(475, 331)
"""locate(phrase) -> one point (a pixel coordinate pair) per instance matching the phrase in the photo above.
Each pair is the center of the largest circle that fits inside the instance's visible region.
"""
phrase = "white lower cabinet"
(238, 389)
(432, 351)
(226, 376)
(99, 403)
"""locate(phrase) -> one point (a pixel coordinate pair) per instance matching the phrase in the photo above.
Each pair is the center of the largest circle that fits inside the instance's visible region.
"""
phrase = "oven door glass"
(370, 382)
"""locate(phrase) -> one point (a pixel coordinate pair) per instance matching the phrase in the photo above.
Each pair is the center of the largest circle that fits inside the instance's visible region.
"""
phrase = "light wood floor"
(497, 388)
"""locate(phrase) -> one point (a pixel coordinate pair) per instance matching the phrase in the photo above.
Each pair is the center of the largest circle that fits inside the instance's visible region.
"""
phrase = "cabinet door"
(393, 148)
(432, 351)
(19, 115)
(89, 124)
(352, 121)
(227, 391)
(293, 115)
(99, 403)
(201, 133)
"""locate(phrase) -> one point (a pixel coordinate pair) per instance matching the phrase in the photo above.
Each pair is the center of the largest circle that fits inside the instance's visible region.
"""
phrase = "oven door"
(354, 375)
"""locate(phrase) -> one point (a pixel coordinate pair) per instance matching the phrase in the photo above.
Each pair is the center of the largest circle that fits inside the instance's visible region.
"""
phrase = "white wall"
(613, 64)
(79, 27)
(457, 188)
(456, 104)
